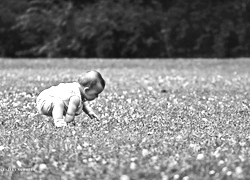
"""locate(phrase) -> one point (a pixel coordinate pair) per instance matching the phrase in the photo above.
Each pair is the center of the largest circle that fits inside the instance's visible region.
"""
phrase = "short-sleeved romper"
(63, 91)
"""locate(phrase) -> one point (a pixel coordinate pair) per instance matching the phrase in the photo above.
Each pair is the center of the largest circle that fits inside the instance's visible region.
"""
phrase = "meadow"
(160, 119)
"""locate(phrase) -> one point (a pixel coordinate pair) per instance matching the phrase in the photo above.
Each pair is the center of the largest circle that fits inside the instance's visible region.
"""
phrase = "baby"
(67, 100)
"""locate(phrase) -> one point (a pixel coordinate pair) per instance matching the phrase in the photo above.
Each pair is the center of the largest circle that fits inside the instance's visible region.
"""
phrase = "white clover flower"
(200, 157)
(124, 177)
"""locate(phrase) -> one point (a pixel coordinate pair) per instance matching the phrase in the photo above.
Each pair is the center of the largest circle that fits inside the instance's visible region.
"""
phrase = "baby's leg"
(58, 108)
(57, 113)
(51, 106)
(44, 104)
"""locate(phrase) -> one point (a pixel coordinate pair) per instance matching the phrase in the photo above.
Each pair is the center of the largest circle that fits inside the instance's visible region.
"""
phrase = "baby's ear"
(86, 89)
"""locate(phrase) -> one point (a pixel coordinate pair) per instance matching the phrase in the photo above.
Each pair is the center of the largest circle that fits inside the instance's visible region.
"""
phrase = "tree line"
(124, 28)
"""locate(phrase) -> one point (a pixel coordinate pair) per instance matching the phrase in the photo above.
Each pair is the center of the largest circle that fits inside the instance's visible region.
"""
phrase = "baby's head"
(92, 84)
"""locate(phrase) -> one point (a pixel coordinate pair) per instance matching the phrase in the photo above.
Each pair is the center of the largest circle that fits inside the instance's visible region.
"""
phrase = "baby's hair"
(91, 78)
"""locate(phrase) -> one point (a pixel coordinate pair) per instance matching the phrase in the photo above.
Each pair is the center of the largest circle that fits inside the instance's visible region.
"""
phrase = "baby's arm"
(73, 104)
(89, 111)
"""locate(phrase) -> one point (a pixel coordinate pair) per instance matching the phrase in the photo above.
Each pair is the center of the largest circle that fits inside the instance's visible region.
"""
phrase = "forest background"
(125, 28)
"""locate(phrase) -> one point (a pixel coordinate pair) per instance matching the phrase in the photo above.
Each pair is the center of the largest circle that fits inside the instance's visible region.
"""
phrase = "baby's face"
(92, 93)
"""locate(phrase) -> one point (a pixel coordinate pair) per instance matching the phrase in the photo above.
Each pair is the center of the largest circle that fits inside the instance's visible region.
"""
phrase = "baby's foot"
(60, 123)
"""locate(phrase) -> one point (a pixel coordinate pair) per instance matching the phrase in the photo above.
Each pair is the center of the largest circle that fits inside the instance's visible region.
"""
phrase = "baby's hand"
(93, 115)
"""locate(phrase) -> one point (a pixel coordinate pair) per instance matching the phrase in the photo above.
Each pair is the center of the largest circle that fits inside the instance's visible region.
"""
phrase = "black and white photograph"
(124, 89)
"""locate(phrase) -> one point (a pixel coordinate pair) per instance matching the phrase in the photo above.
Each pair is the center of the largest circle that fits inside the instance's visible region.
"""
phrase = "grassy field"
(160, 119)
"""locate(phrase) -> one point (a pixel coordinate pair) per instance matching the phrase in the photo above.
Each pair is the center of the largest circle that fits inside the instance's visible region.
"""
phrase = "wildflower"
(42, 167)
(124, 177)
(200, 157)
(145, 152)
(133, 166)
